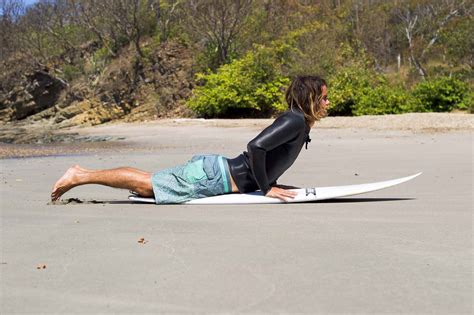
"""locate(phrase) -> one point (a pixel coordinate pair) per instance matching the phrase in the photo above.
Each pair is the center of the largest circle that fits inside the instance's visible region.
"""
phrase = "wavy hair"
(305, 93)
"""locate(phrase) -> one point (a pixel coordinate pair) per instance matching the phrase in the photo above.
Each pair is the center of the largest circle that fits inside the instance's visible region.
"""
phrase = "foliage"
(218, 24)
(72, 72)
(458, 42)
(384, 99)
(470, 101)
(443, 94)
(251, 85)
(346, 88)
(359, 90)
(209, 58)
(99, 59)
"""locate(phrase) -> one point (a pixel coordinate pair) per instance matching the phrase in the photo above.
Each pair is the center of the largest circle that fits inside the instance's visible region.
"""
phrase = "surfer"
(267, 157)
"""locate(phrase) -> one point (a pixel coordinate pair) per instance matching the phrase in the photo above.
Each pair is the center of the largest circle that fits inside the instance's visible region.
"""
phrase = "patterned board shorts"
(202, 176)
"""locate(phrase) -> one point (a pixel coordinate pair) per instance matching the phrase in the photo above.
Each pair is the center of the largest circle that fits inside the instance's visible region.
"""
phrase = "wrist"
(266, 190)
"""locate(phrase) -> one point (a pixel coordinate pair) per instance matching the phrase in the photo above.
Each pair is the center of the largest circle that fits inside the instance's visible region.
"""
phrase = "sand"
(405, 250)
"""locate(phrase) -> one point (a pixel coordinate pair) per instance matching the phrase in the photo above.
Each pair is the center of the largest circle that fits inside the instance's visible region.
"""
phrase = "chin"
(322, 114)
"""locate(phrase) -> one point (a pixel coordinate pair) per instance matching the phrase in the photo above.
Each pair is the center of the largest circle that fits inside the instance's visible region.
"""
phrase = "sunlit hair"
(305, 93)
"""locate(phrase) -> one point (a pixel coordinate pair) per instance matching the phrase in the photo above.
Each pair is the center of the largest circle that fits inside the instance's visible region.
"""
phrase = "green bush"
(384, 99)
(442, 94)
(346, 88)
(357, 90)
(470, 101)
(250, 86)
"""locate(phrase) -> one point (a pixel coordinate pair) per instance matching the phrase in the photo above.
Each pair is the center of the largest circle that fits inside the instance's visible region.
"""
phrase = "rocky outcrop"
(156, 87)
(38, 91)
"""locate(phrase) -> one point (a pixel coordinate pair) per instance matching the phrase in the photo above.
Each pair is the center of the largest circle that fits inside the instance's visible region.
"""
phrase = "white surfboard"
(303, 194)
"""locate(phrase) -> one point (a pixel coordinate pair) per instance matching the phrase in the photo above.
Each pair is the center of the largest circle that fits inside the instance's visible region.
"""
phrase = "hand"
(282, 194)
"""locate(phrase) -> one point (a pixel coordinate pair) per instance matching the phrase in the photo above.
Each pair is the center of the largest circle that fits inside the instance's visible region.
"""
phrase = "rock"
(44, 88)
(23, 109)
(40, 91)
(114, 93)
(6, 114)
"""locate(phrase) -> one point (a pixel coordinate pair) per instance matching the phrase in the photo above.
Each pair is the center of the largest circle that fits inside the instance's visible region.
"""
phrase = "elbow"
(256, 153)
(253, 146)
(250, 146)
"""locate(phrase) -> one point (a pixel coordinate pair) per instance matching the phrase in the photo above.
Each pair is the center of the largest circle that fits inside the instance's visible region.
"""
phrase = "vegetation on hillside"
(378, 56)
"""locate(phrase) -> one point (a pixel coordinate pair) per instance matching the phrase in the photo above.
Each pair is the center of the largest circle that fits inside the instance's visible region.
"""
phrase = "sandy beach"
(403, 250)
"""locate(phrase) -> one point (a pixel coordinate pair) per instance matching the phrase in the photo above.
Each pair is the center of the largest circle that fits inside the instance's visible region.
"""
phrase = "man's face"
(324, 101)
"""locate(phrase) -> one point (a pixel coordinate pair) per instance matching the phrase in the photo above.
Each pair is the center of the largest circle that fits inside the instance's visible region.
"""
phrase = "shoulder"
(292, 118)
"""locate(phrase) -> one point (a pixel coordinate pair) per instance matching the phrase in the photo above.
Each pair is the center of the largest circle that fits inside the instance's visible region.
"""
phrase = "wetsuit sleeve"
(283, 129)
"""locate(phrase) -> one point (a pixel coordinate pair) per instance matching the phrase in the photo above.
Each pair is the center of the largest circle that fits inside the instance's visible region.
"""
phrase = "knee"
(145, 192)
(145, 188)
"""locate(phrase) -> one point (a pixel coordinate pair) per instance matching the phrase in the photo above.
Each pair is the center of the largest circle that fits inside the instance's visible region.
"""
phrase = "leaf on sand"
(142, 241)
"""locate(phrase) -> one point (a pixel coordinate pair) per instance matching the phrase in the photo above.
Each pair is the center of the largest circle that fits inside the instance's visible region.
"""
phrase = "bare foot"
(66, 182)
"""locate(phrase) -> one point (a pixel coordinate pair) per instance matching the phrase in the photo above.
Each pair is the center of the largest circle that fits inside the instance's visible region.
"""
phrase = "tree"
(422, 23)
(372, 28)
(10, 12)
(458, 43)
(168, 13)
(218, 22)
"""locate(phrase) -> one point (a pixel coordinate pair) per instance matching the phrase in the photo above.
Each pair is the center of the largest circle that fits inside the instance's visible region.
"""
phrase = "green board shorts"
(202, 176)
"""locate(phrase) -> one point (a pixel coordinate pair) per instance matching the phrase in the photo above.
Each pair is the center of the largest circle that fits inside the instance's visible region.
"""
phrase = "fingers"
(285, 199)
(284, 195)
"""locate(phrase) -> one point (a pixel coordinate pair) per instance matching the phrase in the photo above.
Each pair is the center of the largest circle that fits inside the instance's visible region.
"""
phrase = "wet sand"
(405, 250)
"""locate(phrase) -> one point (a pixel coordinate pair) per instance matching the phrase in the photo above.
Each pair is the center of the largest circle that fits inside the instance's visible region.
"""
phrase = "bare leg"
(122, 177)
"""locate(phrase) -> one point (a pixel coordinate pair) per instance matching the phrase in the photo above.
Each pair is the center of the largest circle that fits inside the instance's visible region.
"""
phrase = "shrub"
(384, 99)
(346, 88)
(442, 94)
(358, 90)
(72, 72)
(99, 59)
(470, 101)
(250, 86)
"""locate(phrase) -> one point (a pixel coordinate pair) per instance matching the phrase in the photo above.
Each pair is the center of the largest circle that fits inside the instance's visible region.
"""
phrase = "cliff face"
(123, 90)
(37, 91)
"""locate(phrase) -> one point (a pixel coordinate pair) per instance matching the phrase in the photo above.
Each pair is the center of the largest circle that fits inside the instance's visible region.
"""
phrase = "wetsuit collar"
(307, 140)
(307, 127)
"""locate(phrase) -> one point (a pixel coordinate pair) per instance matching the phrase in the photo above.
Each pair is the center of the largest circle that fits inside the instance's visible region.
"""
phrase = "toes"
(56, 194)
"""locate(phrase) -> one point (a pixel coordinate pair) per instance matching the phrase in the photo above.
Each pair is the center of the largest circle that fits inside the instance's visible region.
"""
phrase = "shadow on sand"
(355, 200)
(74, 201)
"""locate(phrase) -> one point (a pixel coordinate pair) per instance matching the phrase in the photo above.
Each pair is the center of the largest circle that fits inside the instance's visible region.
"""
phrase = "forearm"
(258, 167)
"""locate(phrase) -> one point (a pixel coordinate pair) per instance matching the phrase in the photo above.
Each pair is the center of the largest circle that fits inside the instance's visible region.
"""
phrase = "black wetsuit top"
(271, 153)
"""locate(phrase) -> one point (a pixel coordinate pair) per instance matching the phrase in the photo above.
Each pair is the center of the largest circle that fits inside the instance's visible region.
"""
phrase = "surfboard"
(303, 194)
